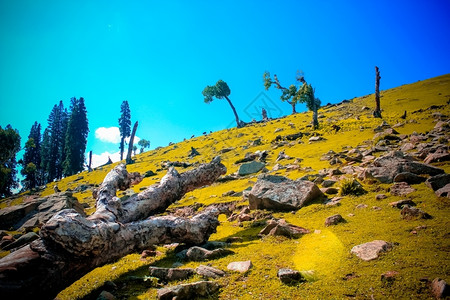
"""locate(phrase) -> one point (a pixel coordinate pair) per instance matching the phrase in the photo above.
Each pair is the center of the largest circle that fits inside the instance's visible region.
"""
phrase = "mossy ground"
(334, 272)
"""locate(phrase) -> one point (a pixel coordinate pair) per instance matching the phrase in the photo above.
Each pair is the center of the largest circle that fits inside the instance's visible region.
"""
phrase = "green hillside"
(421, 247)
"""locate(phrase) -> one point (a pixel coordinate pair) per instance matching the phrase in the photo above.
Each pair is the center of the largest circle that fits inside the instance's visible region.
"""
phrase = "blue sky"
(159, 55)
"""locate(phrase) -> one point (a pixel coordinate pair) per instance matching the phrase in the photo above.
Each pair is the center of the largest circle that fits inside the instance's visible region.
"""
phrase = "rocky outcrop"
(282, 228)
(169, 274)
(288, 276)
(385, 168)
(412, 213)
(371, 250)
(281, 193)
(250, 168)
(209, 272)
(38, 211)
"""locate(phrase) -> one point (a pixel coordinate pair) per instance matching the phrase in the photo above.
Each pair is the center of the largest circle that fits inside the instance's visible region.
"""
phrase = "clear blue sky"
(159, 55)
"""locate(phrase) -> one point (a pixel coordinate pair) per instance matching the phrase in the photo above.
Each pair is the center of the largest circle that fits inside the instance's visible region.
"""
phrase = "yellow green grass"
(324, 254)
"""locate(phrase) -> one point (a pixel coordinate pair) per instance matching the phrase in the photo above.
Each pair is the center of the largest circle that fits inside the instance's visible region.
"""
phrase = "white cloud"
(101, 159)
(109, 135)
(112, 135)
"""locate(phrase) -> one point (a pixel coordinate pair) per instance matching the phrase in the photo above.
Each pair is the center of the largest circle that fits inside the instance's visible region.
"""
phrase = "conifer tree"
(124, 125)
(76, 138)
(57, 125)
(45, 157)
(9, 146)
(31, 162)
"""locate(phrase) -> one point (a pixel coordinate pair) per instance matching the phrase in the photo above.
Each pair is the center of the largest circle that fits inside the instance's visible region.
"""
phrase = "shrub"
(350, 186)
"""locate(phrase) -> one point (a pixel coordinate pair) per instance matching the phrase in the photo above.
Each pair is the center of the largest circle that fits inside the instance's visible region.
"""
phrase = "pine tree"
(31, 162)
(9, 146)
(57, 126)
(45, 157)
(124, 125)
(76, 138)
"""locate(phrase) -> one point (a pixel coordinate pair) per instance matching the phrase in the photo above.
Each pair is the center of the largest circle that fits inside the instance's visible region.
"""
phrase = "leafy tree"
(124, 125)
(9, 146)
(57, 126)
(31, 162)
(144, 144)
(304, 93)
(76, 138)
(220, 91)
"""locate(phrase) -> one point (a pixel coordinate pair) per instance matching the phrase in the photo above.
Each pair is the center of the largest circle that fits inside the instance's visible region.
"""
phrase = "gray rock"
(400, 203)
(329, 190)
(189, 291)
(240, 266)
(436, 157)
(411, 213)
(380, 197)
(438, 181)
(316, 138)
(105, 295)
(385, 168)
(280, 193)
(439, 288)
(370, 250)
(328, 183)
(282, 228)
(250, 168)
(209, 272)
(23, 240)
(444, 191)
(333, 220)
(288, 276)
(401, 189)
(199, 254)
(409, 178)
(38, 211)
(169, 274)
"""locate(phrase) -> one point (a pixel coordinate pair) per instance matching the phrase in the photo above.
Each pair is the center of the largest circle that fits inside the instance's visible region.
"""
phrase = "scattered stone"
(229, 193)
(444, 192)
(281, 193)
(400, 203)
(334, 220)
(200, 254)
(328, 183)
(189, 291)
(409, 178)
(169, 274)
(240, 266)
(411, 213)
(335, 201)
(250, 168)
(329, 191)
(288, 276)
(401, 189)
(388, 278)
(437, 182)
(282, 228)
(439, 288)
(437, 157)
(361, 206)
(282, 155)
(149, 253)
(23, 240)
(209, 272)
(316, 139)
(380, 197)
(376, 208)
(225, 150)
(370, 250)
(105, 295)
(278, 167)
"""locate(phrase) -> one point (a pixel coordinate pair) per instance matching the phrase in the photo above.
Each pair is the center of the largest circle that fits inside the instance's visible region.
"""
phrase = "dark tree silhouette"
(143, 144)
(31, 162)
(124, 125)
(220, 91)
(377, 111)
(9, 146)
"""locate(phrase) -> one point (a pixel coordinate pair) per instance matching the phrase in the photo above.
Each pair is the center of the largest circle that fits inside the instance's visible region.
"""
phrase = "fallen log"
(72, 245)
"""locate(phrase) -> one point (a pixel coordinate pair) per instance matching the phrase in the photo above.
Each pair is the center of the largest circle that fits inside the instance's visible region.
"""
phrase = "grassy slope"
(327, 251)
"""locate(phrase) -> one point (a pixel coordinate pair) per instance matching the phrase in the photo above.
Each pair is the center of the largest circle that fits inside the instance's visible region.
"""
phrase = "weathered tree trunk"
(71, 245)
(377, 112)
(130, 144)
(90, 161)
(235, 113)
(293, 103)
(122, 146)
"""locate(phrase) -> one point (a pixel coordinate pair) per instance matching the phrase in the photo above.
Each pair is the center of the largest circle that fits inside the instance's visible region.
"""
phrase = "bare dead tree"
(377, 111)
(71, 245)
(130, 144)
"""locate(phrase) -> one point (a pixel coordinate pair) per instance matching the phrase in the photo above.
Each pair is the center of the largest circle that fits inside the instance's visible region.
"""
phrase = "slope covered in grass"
(324, 254)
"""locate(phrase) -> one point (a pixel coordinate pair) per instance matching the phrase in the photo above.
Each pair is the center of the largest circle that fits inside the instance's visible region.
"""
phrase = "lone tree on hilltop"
(124, 125)
(377, 111)
(143, 144)
(304, 93)
(220, 91)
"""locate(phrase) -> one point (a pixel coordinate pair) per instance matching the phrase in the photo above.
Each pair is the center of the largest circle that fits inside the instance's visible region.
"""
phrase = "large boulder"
(281, 193)
(386, 167)
(437, 182)
(38, 211)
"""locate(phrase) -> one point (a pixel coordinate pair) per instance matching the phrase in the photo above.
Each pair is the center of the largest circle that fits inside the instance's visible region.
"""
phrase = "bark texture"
(72, 245)
(130, 144)
(377, 112)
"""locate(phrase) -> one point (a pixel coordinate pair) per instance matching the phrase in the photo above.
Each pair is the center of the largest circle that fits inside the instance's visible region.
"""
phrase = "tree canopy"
(9, 146)
(124, 125)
